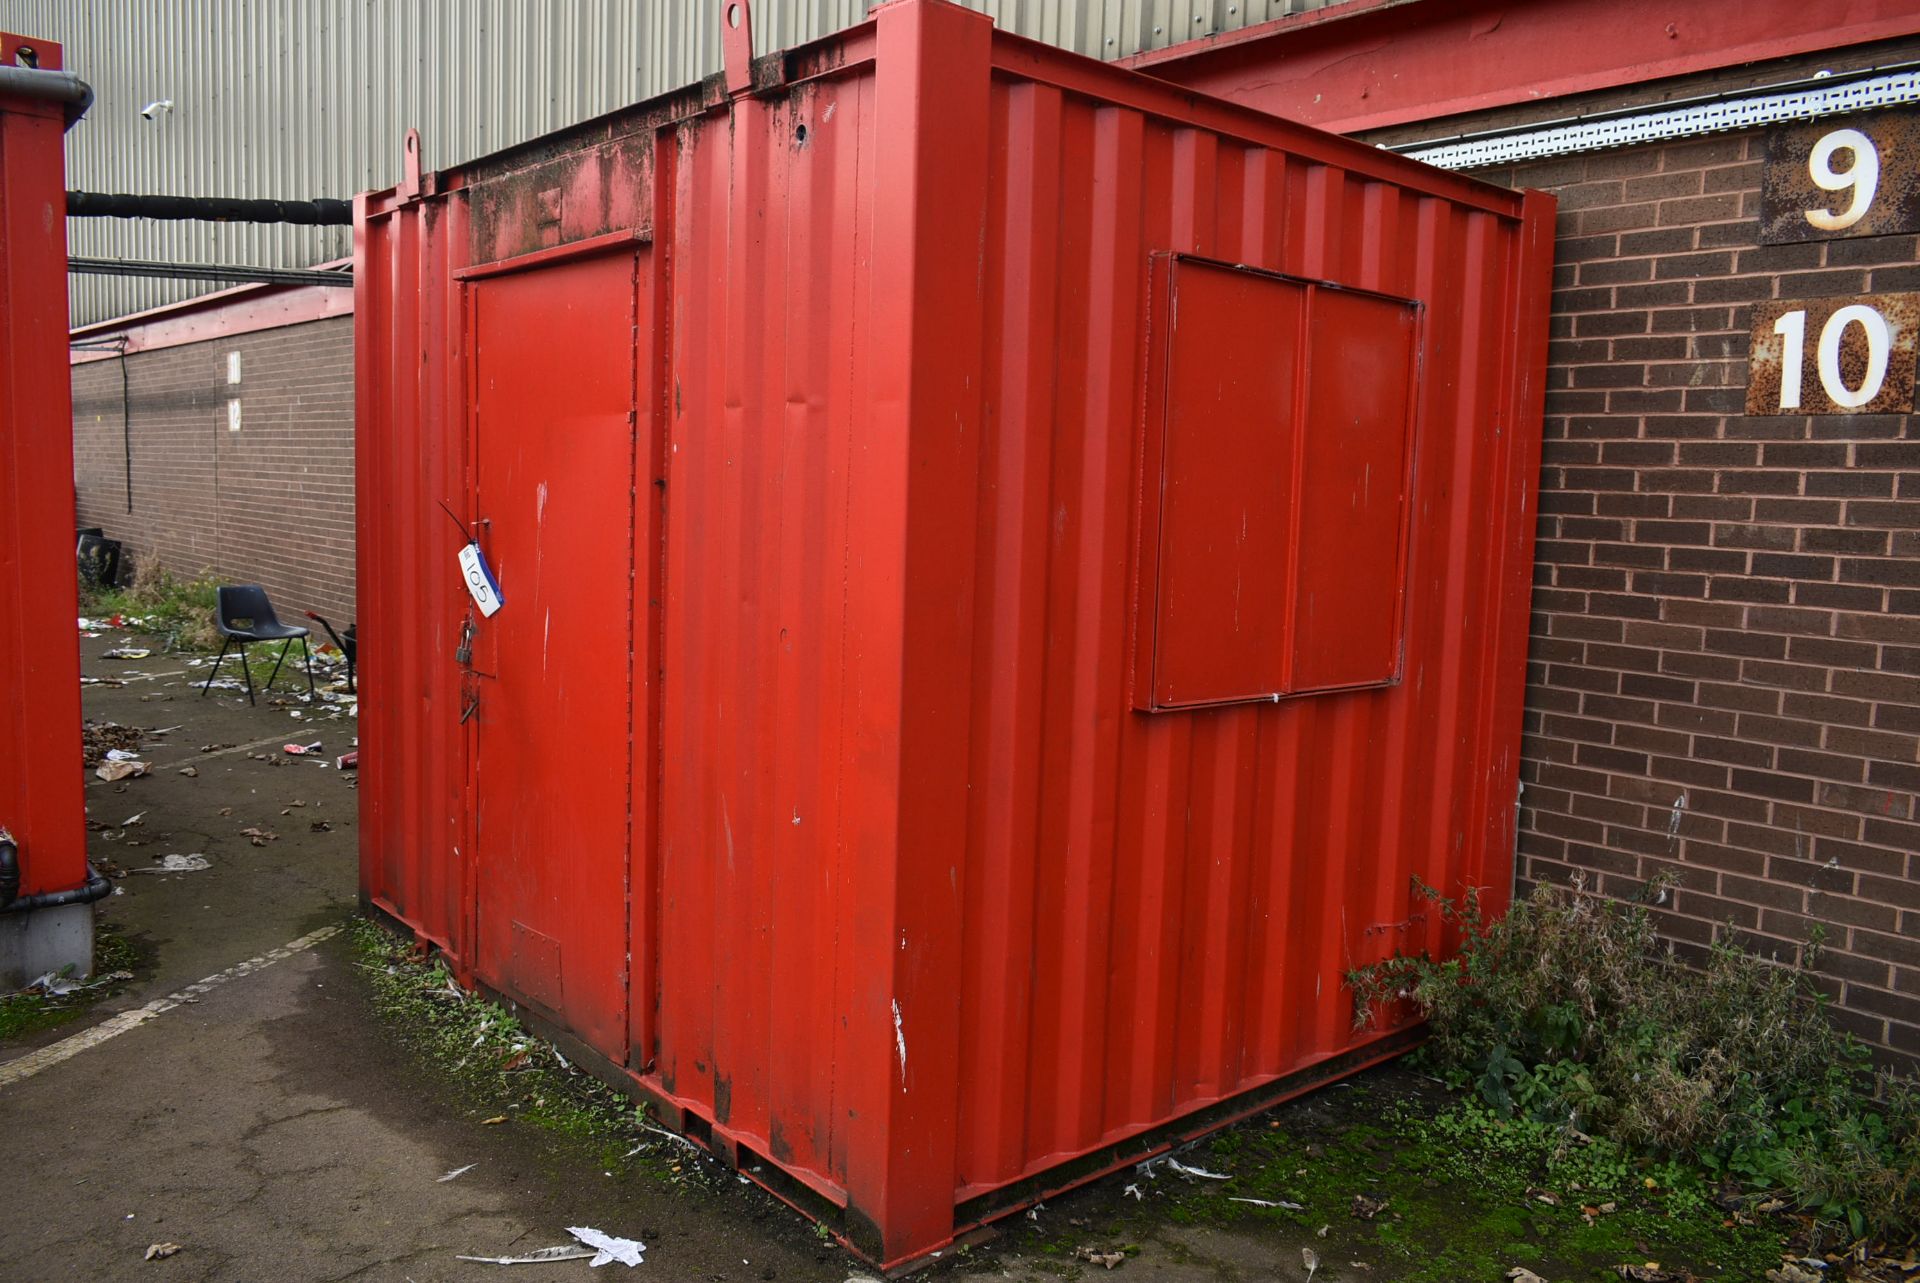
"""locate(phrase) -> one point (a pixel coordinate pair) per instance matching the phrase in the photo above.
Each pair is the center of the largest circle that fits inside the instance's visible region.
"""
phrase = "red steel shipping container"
(1010, 571)
(42, 805)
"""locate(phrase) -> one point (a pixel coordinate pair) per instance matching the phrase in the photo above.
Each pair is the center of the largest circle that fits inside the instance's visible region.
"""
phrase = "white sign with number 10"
(1792, 328)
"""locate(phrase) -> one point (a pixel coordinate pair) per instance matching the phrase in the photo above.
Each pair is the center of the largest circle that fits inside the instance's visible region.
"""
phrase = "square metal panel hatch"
(1277, 476)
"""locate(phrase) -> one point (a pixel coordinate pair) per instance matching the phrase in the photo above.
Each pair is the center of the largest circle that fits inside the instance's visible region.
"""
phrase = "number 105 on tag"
(1833, 355)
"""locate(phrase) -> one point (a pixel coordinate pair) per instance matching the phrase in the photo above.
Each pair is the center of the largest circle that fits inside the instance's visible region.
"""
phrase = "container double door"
(549, 692)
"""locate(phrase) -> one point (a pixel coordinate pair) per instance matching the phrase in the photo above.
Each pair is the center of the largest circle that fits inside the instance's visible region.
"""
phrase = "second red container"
(1010, 569)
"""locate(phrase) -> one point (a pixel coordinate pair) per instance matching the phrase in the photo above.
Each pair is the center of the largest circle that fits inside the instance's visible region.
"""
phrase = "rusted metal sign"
(1842, 176)
(1833, 355)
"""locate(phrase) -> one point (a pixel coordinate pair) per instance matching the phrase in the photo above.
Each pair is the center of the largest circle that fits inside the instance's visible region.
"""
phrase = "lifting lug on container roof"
(736, 41)
(411, 183)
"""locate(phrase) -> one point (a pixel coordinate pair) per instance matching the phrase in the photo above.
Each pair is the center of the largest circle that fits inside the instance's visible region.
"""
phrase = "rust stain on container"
(929, 910)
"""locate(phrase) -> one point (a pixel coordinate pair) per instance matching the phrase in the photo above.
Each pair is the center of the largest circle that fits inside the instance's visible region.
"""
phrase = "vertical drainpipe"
(43, 867)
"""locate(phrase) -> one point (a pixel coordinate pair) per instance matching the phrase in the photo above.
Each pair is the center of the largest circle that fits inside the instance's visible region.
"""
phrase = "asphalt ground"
(243, 1100)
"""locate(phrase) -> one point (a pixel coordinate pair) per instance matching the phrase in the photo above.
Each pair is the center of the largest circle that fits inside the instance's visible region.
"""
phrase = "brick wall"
(1725, 674)
(271, 503)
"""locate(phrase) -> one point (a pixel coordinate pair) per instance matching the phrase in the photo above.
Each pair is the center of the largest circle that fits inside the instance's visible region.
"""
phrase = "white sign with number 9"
(1862, 175)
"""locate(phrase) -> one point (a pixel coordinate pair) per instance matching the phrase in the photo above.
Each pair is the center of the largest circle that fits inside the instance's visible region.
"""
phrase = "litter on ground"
(192, 863)
(120, 769)
(594, 1247)
(626, 1251)
(564, 1252)
(100, 738)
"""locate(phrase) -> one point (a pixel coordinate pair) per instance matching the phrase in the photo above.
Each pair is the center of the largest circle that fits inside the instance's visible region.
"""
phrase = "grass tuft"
(158, 602)
(496, 1067)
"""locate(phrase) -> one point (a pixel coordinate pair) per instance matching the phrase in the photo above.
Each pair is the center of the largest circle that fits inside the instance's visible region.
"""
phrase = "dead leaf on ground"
(160, 1251)
(1310, 1259)
(320, 826)
(494, 1121)
(1367, 1208)
(190, 772)
(99, 738)
(1105, 1260)
(1521, 1274)
(1650, 1272)
(260, 837)
(1789, 1272)
(226, 810)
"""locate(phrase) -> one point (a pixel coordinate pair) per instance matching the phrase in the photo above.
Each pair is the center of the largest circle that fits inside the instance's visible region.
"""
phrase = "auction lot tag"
(481, 584)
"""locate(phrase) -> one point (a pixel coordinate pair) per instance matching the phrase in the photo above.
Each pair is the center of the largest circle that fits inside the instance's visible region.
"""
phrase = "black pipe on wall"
(214, 209)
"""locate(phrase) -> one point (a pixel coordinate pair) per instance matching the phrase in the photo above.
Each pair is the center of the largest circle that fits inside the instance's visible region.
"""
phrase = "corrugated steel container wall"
(1193, 889)
(302, 98)
(41, 799)
(409, 453)
(772, 337)
(926, 919)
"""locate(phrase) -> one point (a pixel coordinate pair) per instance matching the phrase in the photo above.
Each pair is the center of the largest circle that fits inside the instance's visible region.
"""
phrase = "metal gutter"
(62, 87)
(1807, 99)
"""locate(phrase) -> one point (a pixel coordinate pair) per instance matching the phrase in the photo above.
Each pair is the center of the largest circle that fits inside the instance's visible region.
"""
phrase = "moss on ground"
(1463, 1199)
(115, 960)
(1454, 1209)
(495, 1069)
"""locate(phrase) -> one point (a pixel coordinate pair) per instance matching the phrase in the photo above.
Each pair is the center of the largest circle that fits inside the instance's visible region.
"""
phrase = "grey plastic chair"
(244, 615)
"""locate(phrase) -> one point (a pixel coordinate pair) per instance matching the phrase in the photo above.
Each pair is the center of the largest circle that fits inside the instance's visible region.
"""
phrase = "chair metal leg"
(307, 653)
(247, 669)
(285, 646)
(216, 665)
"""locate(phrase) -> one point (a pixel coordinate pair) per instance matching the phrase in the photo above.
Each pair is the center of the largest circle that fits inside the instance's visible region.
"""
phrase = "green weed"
(181, 611)
(487, 1057)
(1567, 1019)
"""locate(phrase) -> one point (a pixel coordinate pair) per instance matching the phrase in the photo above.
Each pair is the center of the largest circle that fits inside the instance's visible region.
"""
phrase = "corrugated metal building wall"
(295, 99)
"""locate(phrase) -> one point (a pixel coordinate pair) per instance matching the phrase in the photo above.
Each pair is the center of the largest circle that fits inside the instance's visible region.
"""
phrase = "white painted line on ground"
(281, 738)
(133, 677)
(33, 1062)
(158, 767)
